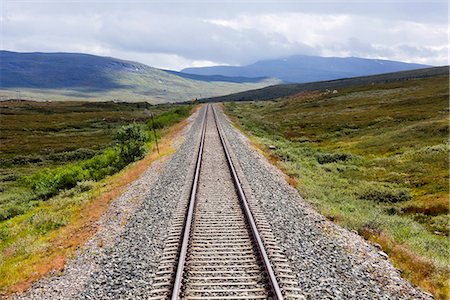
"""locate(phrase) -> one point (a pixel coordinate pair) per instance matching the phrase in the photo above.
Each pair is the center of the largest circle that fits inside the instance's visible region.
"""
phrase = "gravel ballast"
(120, 260)
(330, 262)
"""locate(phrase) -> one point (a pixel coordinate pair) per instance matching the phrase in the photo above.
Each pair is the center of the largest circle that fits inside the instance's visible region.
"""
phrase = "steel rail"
(189, 215)
(275, 287)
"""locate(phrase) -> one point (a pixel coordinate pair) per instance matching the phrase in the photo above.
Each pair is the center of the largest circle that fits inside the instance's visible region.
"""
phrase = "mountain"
(211, 78)
(303, 68)
(68, 76)
(61, 70)
(285, 90)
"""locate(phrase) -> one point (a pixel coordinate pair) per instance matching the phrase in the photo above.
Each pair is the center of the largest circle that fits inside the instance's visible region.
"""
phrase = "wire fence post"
(273, 126)
(154, 130)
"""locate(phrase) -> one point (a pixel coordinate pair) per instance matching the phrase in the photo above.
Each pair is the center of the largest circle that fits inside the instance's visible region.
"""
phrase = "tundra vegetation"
(58, 161)
(372, 158)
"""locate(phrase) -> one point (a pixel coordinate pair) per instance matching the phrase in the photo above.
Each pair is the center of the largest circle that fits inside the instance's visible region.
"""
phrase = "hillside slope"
(303, 68)
(211, 78)
(284, 90)
(63, 70)
(67, 76)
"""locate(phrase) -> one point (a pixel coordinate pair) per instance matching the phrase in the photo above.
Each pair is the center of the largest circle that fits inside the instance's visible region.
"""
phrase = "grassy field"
(60, 165)
(371, 158)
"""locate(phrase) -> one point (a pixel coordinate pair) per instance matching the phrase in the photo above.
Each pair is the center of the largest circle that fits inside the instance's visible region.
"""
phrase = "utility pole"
(153, 127)
(273, 126)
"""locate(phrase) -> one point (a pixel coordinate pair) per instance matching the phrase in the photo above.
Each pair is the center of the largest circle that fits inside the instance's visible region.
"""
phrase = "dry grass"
(429, 205)
(414, 267)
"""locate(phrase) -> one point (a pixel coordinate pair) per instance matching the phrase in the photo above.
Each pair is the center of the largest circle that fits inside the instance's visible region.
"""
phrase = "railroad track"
(217, 248)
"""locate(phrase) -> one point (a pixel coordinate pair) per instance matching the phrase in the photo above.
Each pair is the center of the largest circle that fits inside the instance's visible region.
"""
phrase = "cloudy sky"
(178, 34)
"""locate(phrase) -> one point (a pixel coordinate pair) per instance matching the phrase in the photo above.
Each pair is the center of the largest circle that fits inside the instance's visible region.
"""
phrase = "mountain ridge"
(237, 79)
(286, 90)
(304, 68)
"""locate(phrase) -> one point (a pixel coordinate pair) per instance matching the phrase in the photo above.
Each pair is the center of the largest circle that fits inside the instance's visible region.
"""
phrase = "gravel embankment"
(120, 259)
(330, 262)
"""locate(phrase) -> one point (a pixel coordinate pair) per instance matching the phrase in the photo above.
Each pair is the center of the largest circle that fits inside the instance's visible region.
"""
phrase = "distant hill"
(284, 90)
(303, 68)
(62, 70)
(67, 76)
(212, 78)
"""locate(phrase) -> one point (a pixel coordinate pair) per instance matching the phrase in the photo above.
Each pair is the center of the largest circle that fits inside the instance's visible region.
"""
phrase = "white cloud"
(183, 33)
(163, 60)
(347, 35)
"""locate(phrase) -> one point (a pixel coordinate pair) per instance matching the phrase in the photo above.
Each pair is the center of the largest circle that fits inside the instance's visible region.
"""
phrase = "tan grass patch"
(415, 268)
(429, 204)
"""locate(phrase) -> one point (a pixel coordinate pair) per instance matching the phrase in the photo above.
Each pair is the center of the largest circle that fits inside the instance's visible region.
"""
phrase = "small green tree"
(130, 140)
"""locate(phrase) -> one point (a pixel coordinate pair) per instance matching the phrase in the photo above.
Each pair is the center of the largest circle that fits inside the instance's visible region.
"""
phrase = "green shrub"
(27, 159)
(169, 118)
(45, 222)
(72, 155)
(12, 209)
(20, 160)
(47, 183)
(4, 233)
(384, 193)
(102, 165)
(82, 186)
(10, 177)
(65, 156)
(325, 158)
(130, 142)
(130, 146)
(440, 223)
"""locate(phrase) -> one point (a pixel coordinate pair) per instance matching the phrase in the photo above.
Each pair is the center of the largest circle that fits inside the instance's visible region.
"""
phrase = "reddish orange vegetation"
(292, 181)
(432, 205)
(64, 241)
(304, 95)
(405, 259)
